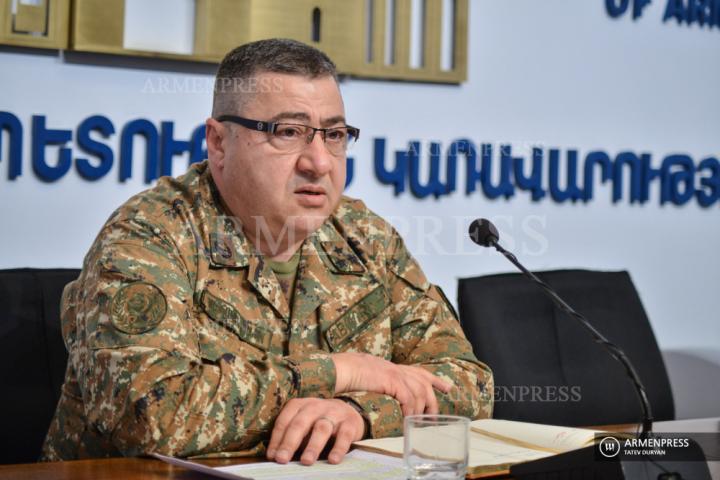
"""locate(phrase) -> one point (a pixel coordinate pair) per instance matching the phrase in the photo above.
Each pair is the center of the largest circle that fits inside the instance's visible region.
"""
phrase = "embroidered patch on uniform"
(227, 315)
(137, 308)
(357, 319)
(342, 258)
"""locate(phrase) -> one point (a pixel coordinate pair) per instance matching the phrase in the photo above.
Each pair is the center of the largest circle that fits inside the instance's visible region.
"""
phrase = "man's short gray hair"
(234, 79)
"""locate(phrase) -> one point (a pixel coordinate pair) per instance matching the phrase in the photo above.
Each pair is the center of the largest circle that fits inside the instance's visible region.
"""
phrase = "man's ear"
(215, 133)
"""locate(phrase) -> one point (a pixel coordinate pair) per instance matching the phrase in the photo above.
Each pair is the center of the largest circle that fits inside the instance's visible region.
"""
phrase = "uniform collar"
(324, 253)
(229, 247)
(226, 243)
(335, 250)
(329, 269)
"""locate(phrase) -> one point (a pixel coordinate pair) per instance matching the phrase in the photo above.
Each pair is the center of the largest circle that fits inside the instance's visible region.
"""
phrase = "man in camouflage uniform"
(247, 306)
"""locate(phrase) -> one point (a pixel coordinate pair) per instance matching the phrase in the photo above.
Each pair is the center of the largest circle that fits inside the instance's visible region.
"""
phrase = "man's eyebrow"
(332, 121)
(291, 116)
(306, 118)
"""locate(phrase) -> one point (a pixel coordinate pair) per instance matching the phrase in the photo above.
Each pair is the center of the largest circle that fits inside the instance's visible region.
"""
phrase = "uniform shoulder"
(157, 217)
(160, 204)
(353, 215)
(378, 243)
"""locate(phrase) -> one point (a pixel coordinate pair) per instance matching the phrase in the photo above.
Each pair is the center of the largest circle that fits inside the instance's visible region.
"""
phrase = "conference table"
(152, 469)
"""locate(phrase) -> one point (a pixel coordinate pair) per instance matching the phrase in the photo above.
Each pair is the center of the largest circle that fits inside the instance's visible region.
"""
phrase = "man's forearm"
(470, 396)
(224, 406)
(472, 392)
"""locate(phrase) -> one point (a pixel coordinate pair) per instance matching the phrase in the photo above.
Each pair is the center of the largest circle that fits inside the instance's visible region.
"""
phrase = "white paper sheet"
(357, 465)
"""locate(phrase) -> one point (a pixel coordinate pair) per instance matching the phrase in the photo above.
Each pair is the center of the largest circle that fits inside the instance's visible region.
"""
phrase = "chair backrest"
(546, 366)
(32, 358)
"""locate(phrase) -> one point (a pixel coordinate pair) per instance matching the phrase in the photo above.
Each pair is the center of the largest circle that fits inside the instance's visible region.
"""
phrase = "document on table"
(357, 465)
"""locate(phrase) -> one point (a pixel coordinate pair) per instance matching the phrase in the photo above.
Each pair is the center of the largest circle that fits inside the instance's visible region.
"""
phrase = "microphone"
(484, 233)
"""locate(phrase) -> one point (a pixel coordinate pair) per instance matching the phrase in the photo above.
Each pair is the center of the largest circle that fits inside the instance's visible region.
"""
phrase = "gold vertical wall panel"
(378, 32)
(433, 35)
(461, 39)
(220, 26)
(402, 34)
(98, 25)
(371, 62)
(343, 31)
(341, 25)
(41, 26)
(32, 18)
(430, 71)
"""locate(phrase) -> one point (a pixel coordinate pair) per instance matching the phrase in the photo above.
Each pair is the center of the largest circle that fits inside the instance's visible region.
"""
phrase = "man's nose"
(315, 158)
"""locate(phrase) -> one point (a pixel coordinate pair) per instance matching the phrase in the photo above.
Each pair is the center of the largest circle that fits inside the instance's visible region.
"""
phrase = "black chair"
(32, 358)
(547, 367)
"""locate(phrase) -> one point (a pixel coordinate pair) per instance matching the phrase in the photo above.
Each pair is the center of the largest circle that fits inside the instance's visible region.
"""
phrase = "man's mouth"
(311, 196)
(310, 190)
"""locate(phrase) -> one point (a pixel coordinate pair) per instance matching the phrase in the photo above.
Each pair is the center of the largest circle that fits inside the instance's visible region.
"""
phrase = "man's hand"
(319, 419)
(412, 386)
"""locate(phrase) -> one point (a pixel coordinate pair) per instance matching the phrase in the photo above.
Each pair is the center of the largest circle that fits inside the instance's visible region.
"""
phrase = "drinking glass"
(436, 446)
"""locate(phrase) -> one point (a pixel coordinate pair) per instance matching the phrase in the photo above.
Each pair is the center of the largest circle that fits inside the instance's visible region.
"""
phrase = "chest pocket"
(362, 327)
(226, 315)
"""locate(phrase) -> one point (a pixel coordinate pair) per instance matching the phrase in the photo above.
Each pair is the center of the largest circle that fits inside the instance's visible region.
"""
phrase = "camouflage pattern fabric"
(181, 341)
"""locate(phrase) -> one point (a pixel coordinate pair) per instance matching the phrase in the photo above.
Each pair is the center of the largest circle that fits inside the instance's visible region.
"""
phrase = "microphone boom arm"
(614, 350)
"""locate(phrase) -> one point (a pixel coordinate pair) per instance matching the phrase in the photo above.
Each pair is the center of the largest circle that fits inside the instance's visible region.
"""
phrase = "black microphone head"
(483, 232)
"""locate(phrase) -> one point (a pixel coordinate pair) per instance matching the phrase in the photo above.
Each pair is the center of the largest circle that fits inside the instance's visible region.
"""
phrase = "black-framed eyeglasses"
(291, 137)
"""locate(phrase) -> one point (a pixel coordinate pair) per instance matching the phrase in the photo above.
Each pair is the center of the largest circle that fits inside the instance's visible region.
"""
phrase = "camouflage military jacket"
(181, 341)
